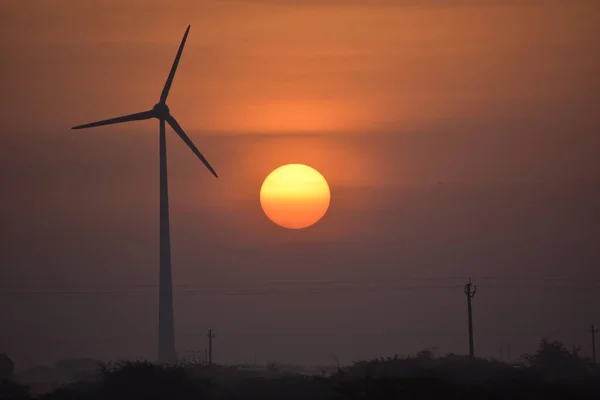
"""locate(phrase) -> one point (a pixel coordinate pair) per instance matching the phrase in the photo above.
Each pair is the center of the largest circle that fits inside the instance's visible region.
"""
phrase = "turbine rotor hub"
(161, 110)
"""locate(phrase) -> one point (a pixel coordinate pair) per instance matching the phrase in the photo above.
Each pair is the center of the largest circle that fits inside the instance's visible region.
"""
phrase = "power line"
(304, 290)
(541, 286)
(434, 333)
(232, 292)
(337, 281)
(371, 281)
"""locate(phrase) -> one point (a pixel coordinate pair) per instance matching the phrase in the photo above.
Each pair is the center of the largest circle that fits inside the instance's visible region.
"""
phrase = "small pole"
(470, 293)
(593, 330)
(210, 338)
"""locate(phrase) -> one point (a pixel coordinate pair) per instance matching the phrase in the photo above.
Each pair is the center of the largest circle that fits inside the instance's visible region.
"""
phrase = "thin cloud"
(414, 3)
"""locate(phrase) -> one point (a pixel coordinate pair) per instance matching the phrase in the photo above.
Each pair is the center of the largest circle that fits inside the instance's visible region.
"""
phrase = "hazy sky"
(459, 140)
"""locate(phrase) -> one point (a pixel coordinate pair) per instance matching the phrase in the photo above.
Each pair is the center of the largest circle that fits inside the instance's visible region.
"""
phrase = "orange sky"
(295, 66)
(457, 140)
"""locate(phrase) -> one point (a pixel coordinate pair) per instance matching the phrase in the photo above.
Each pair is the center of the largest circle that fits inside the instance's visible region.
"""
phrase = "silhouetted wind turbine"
(166, 331)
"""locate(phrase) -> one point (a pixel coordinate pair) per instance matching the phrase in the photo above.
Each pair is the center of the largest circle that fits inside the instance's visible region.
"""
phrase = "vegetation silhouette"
(553, 361)
(551, 372)
(7, 367)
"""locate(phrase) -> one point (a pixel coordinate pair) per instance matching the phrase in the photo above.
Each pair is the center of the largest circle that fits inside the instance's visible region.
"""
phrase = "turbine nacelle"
(161, 111)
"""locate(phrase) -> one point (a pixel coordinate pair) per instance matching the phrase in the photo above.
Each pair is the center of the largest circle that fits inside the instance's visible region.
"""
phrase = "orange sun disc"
(295, 196)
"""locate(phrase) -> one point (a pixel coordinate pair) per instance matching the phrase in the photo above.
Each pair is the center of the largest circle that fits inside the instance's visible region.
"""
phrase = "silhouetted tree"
(10, 390)
(7, 366)
(552, 372)
(426, 354)
(144, 380)
(555, 362)
(273, 367)
(84, 369)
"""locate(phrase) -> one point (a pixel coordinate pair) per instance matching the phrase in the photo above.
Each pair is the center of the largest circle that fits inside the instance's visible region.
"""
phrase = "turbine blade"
(165, 92)
(126, 118)
(173, 122)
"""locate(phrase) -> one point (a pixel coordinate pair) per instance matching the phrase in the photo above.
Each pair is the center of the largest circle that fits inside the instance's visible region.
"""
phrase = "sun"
(295, 196)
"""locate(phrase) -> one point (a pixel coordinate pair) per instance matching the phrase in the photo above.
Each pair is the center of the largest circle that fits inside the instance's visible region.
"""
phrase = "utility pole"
(210, 336)
(470, 291)
(593, 330)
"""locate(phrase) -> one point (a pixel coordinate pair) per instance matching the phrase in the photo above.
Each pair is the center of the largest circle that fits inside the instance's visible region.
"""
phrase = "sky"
(460, 139)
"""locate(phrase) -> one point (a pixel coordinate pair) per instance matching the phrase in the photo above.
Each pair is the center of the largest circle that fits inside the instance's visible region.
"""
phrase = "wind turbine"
(160, 111)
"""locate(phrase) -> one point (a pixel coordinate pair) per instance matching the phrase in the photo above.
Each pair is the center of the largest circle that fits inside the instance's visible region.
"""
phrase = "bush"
(7, 366)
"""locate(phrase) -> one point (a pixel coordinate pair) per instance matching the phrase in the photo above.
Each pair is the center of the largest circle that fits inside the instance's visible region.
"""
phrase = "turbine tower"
(160, 111)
